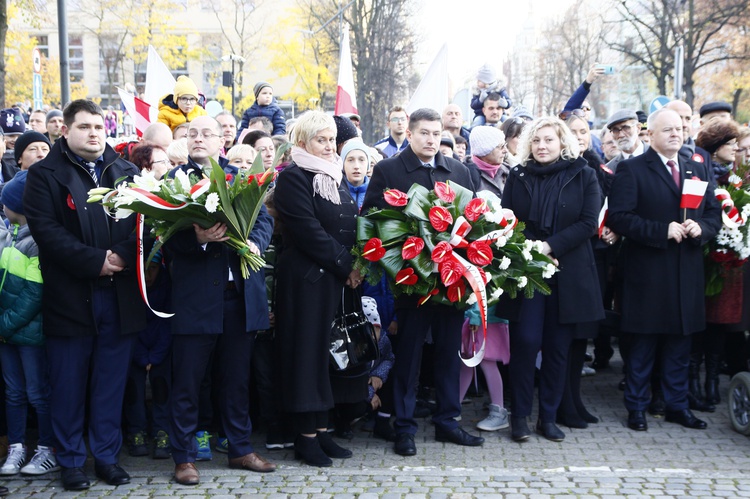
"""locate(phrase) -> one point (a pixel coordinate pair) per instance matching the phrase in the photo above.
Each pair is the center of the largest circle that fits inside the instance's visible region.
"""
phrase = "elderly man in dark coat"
(662, 295)
(422, 163)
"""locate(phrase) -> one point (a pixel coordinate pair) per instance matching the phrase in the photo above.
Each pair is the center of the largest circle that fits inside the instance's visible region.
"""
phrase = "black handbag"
(353, 341)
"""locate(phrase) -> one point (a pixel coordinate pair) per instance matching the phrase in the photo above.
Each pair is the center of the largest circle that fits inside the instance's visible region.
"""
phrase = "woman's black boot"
(308, 449)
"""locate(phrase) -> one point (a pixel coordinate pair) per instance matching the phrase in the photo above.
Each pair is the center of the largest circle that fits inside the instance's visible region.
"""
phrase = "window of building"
(110, 69)
(212, 67)
(42, 43)
(75, 57)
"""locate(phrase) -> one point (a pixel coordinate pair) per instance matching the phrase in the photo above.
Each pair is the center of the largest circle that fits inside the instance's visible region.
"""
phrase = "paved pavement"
(605, 460)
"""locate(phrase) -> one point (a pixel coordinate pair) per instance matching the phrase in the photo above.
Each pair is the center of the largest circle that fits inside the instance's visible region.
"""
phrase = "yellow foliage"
(311, 59)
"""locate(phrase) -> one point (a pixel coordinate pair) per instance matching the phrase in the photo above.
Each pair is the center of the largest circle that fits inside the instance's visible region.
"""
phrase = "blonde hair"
(311, 124)
(241, 150)
(570, 149)
(177, 152)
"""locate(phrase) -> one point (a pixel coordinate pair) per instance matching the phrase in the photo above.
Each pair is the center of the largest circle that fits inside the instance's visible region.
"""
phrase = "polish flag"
(138, 109)
(603, 216)
(693, 190)
(346, 101)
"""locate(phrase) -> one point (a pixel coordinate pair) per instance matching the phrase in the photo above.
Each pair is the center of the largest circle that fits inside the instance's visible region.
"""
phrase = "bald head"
(452, 119)
(158, 134)
(686, 116)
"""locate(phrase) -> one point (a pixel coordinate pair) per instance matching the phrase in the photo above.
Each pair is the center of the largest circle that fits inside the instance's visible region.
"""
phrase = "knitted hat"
(484, 139)
(260, 86)
(522, 112)
(12, 195)
(370, 308)
(11, 121)
(26, 140)
(486, 74)
(185, 86)
(355, 145)
(55, 113)
(345, 129)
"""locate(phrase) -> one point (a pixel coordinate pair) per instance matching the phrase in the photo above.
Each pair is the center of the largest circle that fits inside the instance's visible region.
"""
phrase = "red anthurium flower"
(373, 250)
(250, 179)
(262, 179)
(444, 192)
(457, 291)
(406, 277)
(440, 218)
(479, 253)
(475, 208)
(442, 252)
(450, 272)
(228, 177)
(394, 197)
(412, 247)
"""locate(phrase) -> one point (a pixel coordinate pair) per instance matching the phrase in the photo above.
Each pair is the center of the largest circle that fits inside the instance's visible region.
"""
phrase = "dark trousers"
(538, 328)
(190, 356)
(100, 364)
(673, 351)
(445, 323)
(160, 378)
(267, 379)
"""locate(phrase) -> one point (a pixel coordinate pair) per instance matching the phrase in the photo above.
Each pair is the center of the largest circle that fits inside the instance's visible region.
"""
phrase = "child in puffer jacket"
(183, 105)
(22, 352)
(487, 83)
(265, 105)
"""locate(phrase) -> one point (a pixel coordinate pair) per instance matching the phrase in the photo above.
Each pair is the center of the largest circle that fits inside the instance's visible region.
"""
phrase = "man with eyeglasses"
(217, 314)
(625, 127)
(396, 140)
(183, 105)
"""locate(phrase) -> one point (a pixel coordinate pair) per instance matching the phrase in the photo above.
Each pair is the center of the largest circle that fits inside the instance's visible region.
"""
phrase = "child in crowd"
(487, 83)
(265, 105)
(22, 352)
(356, 158)
(496, 350)
(242, 156)
(151, 359)
(379, 391)
(183, 105)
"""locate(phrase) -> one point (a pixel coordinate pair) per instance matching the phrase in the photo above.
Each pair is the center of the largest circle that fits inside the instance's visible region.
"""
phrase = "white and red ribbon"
(141, 268)
(603, 216)
(729, 212)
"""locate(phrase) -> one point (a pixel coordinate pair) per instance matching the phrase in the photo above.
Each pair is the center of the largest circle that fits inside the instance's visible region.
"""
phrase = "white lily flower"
(146, 180)
(212, 202)
(183, 179)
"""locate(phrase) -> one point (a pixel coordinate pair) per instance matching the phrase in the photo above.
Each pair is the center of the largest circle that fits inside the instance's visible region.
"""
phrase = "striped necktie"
(91, 167)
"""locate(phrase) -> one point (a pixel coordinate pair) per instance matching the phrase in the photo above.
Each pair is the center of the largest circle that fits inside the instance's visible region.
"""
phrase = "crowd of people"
(79, 346)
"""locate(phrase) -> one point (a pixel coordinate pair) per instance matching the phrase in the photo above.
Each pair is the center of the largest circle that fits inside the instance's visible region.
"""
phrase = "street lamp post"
(233, 58)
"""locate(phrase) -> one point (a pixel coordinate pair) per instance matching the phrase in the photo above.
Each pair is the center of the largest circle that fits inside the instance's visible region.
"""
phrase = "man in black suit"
(662, 295)
(91, 305)
(422, 163)
(217, 312)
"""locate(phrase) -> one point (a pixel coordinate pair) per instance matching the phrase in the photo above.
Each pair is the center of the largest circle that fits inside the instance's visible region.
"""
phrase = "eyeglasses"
(159, 162)
(188, 100)
(204, 134)
(623, 128)
(397, 120)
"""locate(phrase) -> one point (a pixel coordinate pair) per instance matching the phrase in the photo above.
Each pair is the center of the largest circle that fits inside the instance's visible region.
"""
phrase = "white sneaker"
(497, 420)
(14, 461)
(44, 461)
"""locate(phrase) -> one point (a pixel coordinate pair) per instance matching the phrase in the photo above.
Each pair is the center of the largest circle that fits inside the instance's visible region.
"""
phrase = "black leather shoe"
(637, 421)
(112, 474)
(519, 429)
(74, 479)
(686, 418)
(458, 436)
(404, 445)
(550, 431)
(700, 405)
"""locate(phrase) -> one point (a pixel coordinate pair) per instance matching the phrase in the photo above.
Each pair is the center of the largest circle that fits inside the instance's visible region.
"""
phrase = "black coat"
(73, 239)
(663, 288)
(578, 206)
(311, 270)
(200, 276)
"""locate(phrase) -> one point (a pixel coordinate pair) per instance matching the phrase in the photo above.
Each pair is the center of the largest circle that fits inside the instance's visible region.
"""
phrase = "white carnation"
(471, 299)
(504, 263)
(522, 281)
(528, 245)
(501, 241)
(526, 254)
(538, 246)
(212, 202)
(496, 294)
(549, 271)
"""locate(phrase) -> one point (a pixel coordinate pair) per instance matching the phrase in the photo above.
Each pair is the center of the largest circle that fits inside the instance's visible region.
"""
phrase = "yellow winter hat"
(185, 86)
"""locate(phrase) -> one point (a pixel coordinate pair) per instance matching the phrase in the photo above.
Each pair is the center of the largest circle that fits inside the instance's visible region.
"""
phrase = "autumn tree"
(648, 31)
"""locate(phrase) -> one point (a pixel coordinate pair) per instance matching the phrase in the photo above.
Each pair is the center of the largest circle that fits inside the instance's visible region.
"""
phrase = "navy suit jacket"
(200, 276)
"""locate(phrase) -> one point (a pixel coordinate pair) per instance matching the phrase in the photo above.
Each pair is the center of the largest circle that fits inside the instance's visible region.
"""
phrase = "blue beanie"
(355, 145)
(12, 195)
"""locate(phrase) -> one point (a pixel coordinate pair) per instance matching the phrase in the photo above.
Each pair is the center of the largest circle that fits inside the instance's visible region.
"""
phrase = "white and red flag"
(346, 101)
(138, 109)
(603, 216)
(693, 190)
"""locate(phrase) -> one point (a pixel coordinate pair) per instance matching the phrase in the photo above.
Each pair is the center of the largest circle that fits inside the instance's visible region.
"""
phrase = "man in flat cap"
(717, 109)
(625, 127)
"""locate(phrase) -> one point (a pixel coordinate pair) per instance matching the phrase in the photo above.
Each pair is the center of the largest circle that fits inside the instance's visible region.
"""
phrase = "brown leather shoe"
(186, 474)
(252, 462)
